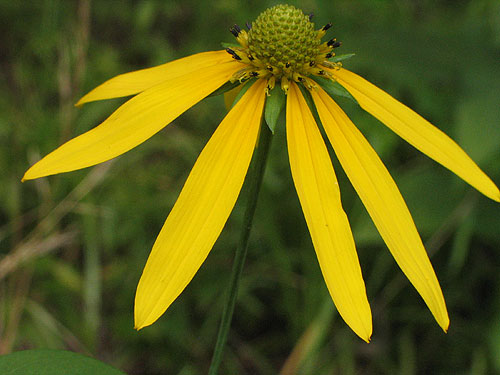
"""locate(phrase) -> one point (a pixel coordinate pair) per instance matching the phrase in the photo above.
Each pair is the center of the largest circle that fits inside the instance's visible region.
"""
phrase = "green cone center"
(284, 37)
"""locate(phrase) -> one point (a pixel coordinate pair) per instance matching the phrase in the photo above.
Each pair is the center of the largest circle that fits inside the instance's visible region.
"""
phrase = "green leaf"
(307, 96)
(345, 56)
(50, 362)
(274, 105)
(334, 88)
(230, 45)
(224, 88)
(242, 92)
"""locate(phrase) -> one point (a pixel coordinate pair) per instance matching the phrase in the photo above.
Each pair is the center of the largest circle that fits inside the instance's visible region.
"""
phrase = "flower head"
(282, 46)
(281, 52)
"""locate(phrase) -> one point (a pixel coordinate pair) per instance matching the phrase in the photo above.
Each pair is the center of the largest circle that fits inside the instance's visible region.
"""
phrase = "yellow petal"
(383, 201)
(319, 197)
(201, 210)
(134, 122)
(140, 80)
(417, 131)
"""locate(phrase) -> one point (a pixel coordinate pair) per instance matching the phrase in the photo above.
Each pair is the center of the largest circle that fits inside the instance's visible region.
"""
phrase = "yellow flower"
(281, 48)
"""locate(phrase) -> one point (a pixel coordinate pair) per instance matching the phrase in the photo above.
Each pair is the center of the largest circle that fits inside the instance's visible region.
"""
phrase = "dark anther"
(333, 43)
(312, 63)
(251, 58)
(287, 64)
(321, 72)
(311, 15)
(232, 53)
(300, 79)
(254, 74)
(235, 30)
(248, 25)
(327, 26)
(329, 55)
(270, 68)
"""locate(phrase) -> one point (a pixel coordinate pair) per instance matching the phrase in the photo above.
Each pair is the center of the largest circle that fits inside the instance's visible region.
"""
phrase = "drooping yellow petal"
(201, 210)
(135, 82)
(417, 131)
(383, 202)
(319, 196)
(134, 122)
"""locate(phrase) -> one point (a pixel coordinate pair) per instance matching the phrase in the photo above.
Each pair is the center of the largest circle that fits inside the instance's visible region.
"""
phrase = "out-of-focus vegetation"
(72, 246)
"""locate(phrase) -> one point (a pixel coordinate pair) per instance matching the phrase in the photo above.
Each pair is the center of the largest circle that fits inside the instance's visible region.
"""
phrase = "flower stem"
(255, 180)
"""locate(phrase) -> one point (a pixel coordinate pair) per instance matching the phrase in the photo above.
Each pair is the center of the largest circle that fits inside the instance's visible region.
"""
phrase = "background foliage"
(73, 246)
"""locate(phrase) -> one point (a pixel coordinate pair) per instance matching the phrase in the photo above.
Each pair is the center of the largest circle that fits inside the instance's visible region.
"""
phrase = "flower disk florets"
(284, 35)
(282, 45)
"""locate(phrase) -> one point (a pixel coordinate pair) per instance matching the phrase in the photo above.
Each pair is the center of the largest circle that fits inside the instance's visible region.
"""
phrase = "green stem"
(255, 180)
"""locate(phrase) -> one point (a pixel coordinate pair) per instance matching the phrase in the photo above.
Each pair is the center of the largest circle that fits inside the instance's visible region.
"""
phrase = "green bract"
(275, 103)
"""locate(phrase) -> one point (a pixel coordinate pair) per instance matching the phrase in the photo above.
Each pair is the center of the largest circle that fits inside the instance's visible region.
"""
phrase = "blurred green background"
(72, 247)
